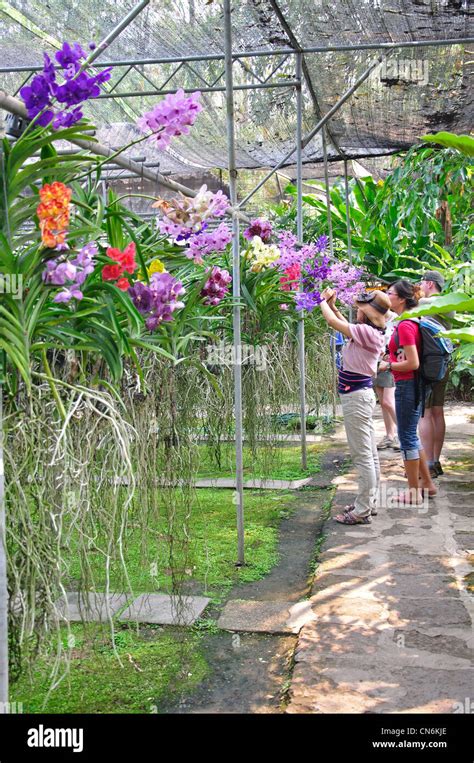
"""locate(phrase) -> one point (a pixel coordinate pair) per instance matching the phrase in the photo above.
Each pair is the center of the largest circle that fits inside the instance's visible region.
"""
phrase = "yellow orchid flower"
(156, 266)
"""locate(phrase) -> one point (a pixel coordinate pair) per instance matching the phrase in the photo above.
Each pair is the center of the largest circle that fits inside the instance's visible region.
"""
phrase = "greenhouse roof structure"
(408, 62)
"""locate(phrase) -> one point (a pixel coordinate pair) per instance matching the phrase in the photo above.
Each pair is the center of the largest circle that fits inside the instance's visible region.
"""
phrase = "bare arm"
(337, 313)
(330, 296)
(411, 363)
(333, 320)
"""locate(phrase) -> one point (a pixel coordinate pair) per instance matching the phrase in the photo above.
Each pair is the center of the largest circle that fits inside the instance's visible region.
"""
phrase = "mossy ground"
(282, 463)
(157, 662)
(204, 557)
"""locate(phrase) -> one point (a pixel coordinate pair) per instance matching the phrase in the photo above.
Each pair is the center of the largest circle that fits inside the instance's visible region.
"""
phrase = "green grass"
(156, 665)
(209, 557)
(283, 463)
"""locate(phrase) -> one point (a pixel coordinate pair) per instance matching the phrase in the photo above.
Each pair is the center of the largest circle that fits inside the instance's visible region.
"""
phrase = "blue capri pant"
(408, 416)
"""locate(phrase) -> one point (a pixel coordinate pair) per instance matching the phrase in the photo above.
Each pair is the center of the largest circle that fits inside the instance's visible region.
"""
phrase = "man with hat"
(432, 426)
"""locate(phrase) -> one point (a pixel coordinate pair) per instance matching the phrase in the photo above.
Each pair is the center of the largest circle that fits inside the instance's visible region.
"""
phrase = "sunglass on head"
(368, 298)
(365, 297)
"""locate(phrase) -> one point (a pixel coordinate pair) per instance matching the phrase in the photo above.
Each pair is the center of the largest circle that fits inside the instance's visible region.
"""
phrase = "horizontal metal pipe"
(140, 93)
(257, 53)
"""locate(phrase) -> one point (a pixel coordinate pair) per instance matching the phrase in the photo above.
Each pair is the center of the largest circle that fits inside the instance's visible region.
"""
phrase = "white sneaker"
(385, 443)
(395, 443)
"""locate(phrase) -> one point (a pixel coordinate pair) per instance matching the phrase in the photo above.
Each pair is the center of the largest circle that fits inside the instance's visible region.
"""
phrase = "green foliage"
(463, 337)
(105, 324)
(31, 324)
(397, 226)
(445, 303)
(462, 143)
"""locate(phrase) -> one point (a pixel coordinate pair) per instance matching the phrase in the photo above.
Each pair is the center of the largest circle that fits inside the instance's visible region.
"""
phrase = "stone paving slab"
(337, 688)
(387, 586)
(165, 610)
(265, 616)
(378, 645)
(229, 483)
(393, 628)
(262, 484)
(91, 607)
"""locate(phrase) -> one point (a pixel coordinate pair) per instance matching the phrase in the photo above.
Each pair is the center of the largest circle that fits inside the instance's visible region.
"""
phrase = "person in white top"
(384, 386)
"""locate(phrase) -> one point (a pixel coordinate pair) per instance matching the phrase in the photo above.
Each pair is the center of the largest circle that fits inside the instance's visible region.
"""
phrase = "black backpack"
(435, 351)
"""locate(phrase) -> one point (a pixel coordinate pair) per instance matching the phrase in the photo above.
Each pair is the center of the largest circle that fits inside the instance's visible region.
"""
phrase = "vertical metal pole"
(3, 534)
(331, 250)
(3, 575)
(348, 223)
(328, 191)
(299, 233)
(239, 474)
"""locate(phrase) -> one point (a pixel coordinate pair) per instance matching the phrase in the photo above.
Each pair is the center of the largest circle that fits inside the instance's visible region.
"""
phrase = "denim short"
(408, 416)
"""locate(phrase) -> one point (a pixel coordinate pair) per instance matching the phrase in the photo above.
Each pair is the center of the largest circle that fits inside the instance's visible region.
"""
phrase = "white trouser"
(358, 409)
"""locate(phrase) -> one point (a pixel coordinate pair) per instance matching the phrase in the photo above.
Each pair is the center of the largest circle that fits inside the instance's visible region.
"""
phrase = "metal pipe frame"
(299, 233)
(317, 128)
(15, 106)
(237, 359)
(331, 252)
(217, 89)
(260, 53)
(348, 224)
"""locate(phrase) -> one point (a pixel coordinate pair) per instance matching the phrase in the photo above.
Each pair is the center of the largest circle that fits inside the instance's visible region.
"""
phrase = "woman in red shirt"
(404, 361)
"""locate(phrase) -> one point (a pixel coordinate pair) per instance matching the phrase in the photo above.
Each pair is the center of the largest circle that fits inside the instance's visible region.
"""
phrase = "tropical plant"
(462, 143)
(420, 216)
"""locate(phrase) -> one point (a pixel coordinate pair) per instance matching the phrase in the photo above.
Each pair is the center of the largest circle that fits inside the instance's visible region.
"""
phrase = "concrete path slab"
(265, 616)
(165, 610)
(262, 484)
(91, 607)
(229, 483)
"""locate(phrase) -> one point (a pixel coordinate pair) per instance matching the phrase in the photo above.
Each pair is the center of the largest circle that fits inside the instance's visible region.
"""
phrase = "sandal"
(351, 507)
(348, 508)
(349, 518)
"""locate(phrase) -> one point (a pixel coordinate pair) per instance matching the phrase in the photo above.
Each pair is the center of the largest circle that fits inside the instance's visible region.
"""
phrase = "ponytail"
(408, 291)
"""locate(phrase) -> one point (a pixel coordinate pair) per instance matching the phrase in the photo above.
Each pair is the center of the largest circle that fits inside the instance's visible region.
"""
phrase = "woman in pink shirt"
(359, 365)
